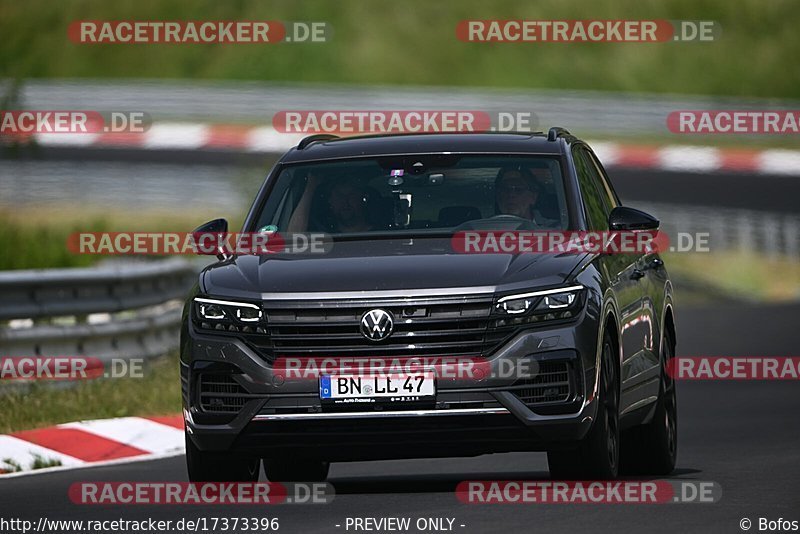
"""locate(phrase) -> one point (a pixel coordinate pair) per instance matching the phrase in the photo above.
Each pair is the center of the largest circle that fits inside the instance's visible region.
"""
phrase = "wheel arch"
(611, 325)
(607, 322)
(669, 325)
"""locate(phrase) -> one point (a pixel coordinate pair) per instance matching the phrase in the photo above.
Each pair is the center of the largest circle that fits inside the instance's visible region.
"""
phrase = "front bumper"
(277, 415)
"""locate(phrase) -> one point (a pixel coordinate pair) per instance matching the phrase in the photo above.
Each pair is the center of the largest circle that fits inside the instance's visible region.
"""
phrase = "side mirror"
(219, 229)
(623, 218)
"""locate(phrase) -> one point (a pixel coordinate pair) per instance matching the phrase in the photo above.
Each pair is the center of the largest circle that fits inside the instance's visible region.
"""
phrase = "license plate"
(377, 388)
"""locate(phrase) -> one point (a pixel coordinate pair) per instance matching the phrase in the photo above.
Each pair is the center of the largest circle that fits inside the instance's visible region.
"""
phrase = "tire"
(652, 448)
(293, 470)
(204, 466)
(597, 455)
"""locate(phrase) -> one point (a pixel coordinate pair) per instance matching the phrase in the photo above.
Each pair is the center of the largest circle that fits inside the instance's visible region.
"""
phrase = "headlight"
(544, 305)
(211, 311)
(515, 306)
(248, 315)
(214, 314)
(558, 301)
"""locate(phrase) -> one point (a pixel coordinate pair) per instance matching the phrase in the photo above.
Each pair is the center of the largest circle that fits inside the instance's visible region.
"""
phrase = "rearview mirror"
(624, 218)
(218, 227)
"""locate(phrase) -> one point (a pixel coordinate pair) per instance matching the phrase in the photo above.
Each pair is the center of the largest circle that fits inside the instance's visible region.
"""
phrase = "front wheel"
(597, 455)
(652, 449)
(205, 466)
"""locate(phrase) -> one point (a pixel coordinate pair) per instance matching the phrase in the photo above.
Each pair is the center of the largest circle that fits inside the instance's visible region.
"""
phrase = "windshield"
(417, 195)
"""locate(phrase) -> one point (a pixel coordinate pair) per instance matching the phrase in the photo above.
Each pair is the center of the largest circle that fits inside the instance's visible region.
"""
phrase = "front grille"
(220, 393)
(551, 384)
(457, 327)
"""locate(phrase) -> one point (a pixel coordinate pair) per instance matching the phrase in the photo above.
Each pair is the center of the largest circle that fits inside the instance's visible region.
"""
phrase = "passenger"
(346, 208)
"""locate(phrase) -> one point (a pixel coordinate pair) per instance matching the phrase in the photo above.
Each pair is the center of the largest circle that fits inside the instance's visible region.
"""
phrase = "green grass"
(40, 462)
(157, 393)
(37, 246)
(9, 465)
(737, 275)
(413, 43)
(36, 236)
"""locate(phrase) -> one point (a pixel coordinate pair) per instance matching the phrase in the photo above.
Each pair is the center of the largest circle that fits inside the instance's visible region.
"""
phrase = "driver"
(516, 193)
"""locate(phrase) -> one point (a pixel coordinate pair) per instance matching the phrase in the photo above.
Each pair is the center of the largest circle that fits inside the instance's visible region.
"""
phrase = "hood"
(381, 265)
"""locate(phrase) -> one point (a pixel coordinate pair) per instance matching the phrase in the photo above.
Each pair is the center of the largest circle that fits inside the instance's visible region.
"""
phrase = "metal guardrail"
(110, 312)
(774, 235)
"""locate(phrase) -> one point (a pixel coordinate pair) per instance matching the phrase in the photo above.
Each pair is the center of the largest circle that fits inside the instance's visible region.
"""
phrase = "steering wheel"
(500, 222)
(507, 216)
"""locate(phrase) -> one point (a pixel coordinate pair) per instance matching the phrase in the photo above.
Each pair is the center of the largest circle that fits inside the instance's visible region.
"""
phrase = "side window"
(594, 196)
(611, 195)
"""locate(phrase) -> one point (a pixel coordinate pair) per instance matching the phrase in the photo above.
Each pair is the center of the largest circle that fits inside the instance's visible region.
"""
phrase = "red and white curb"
(698, 158)
(225, 137)
(92, 443)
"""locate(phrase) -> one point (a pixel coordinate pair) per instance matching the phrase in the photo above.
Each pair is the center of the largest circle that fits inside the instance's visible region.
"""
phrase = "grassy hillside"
(413, 42)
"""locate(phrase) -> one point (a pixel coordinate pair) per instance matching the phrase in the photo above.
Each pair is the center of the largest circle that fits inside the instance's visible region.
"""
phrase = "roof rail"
(556, 131)
(314, 138)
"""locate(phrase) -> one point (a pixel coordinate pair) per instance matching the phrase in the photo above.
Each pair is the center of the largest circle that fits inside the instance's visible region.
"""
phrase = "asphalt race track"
(745, 436)
(742, 435)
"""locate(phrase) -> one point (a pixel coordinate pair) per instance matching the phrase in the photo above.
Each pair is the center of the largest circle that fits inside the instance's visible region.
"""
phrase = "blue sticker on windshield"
(397, 172)
(268, 229)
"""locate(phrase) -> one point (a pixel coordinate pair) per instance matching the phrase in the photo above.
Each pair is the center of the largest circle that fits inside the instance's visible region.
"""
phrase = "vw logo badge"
(377, 325)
